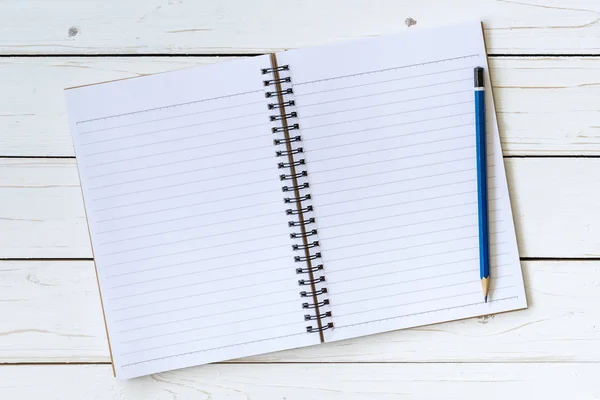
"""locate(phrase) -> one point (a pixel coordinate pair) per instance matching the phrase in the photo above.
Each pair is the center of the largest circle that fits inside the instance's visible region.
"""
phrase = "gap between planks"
(191, 55)
(91, 259)
(509, 156)
(236, 362)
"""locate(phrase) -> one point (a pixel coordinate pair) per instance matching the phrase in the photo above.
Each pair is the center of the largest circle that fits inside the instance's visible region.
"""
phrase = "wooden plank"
(545, 105)
(178, 26)
(554, 203)
(52, 312)
(55, 317)
(42, 210)
(301, 382)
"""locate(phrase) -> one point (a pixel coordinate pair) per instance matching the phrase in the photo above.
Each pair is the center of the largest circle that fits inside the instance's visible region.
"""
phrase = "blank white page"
(186, 216)
(389, 138)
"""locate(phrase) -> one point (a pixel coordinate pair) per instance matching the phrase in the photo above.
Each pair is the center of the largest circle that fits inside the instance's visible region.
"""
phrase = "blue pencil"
(482, 192)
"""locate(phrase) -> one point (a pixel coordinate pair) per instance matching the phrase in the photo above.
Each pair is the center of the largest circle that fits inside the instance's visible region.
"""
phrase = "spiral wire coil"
(279, 86)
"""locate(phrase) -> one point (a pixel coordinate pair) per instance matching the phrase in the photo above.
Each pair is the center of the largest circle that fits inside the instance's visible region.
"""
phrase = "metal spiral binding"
(290, 149)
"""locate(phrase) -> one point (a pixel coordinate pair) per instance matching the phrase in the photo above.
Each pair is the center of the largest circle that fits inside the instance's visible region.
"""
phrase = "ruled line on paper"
(268, 271)
(182, 184)
(195, 136)
(415, 235)
(392, 126)
(317, 172)
(191, 216)
(400, 147)
(128, 159)
(432, 311)
(419, 268)
(471, 214)
(179, 161)
(188, 274)
(193, 262)
(128, 365)
(401, 169)
(180, 196)
(331, 271)
(187, 308)
(196, 318)
(190, 239)
(200, 317)
(397, 203)
(322, 228)
(415, 246)
(325, 148)
(155, 313)
(195, 329)
(364, 96)
(174, 128)
(392, 170)
(189, 251)
(385, 81)
(195, 227)
(262, 328)
(425, 278)
(171, 117)
(309, 116)
(181, 173)
(387, 69)
(399, 214)
(469, 282)
(179, 208)
(349, 121)
(396, 135)
(387, 194)
(164, 107)
(464, 271)
(181, 138)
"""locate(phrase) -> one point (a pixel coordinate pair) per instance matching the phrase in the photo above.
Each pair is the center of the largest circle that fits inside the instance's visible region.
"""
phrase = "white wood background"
(545, 65)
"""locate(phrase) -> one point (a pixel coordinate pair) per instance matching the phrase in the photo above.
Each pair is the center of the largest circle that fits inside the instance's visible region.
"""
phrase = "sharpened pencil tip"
(485, 285)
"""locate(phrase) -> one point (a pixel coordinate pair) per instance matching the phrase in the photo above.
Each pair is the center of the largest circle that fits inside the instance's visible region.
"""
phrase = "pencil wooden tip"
(485, 285)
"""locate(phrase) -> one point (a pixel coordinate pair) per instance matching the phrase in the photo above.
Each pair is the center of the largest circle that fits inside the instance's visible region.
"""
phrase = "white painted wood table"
(545, 67)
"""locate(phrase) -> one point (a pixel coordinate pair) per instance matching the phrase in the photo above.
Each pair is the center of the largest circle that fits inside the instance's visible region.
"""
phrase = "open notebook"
(288, 200)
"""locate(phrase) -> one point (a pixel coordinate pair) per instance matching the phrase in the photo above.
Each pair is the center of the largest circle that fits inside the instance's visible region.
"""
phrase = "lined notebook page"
(388, 131)
(187, 219)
